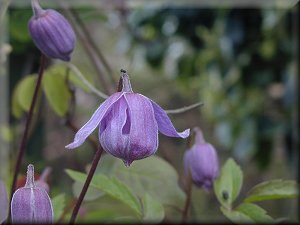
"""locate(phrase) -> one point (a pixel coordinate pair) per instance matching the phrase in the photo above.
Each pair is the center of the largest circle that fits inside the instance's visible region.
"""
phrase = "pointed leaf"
(153, 210)
(274, 189)
(58, 204)
(111, 186)
(236, 216)
(91, 194)
(151, 175)
(228, 185)
(56, 91)
(24, 92)
(256, 213)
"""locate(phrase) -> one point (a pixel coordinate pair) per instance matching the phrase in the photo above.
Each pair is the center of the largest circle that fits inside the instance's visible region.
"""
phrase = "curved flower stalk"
(51, 32)
(128, 125)
(31, 204)
(202, 162)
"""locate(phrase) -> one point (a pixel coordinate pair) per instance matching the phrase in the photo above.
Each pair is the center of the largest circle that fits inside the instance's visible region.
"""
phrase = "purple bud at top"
(128, 125)
(51, 33)
(201, 160)
(3, 202)
(31, 204)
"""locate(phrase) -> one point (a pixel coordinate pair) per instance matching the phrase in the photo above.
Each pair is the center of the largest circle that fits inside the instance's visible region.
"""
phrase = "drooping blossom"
(3, 202)
(201, 161)
(51, 33)
(31, 204)
(128, 125)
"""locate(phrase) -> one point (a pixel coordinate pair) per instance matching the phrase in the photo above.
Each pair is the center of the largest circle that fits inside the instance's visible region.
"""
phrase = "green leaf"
(274, 189)
(228, 185)
(58, 204)
(111, 186)
(56, 91)
(91, 194)
(151, 175)
(153, 210)
(236, 216)
(25, 90)
(256, 213)
(15, 105)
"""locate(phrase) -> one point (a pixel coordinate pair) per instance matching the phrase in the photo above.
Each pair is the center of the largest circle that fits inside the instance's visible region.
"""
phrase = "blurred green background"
(241, 62)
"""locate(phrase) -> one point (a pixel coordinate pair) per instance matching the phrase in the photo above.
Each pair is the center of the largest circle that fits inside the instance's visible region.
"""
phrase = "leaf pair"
(228, 186)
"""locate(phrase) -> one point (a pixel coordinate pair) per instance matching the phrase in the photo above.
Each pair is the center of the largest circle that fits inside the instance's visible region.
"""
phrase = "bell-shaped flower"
(3, 202)
(51, 33)
(31, 204)
(128, 125)
(201, 161)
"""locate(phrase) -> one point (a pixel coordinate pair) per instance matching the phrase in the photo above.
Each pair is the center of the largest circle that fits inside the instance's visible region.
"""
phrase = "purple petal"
(143, 129)
(3, 202)
(114, 130)
(202, 161)
(94, 121)
(165, 125)
(31, 205)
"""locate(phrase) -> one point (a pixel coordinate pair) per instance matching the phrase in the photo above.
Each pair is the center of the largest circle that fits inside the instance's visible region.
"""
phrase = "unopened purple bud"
(51, 33)
(201, 160)
(31, 204)
(128, 125)
(3, 202)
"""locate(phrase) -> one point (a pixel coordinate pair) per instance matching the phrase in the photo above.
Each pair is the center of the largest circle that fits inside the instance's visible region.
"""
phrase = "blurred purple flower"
(51, 33)
(128, 125)
(201, 160)
(42, 181)
(31, 204)
(3, 202)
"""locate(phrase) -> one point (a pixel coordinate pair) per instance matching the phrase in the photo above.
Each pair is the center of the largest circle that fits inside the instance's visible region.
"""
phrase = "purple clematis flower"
(128, 125)
(31, 204)
(202, 162)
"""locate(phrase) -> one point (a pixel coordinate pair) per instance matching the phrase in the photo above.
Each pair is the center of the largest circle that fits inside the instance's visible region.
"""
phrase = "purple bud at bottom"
(31, 204)
(201, 160)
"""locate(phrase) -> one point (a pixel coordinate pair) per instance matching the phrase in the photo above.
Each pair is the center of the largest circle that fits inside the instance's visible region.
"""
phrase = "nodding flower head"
(31, 204)
(51, 33)
(201, 160)
(128, 125)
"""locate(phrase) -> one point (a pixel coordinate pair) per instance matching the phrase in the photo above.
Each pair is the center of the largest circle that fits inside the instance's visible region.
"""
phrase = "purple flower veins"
(128, 125)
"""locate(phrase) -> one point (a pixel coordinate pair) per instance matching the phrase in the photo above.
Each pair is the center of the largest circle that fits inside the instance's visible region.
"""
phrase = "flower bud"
(201, 160)
(3, 202)
(31, 204)
(51, 33)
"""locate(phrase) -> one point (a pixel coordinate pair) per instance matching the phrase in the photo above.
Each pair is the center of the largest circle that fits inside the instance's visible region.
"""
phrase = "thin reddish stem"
(27, 126)
(86, 184)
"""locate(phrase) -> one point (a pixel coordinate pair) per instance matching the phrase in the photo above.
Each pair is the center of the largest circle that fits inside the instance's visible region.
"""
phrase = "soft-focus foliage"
(240, 62)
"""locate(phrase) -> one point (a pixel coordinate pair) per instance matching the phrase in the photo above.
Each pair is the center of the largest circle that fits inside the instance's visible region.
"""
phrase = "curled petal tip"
(71, 146)
(185, 133)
